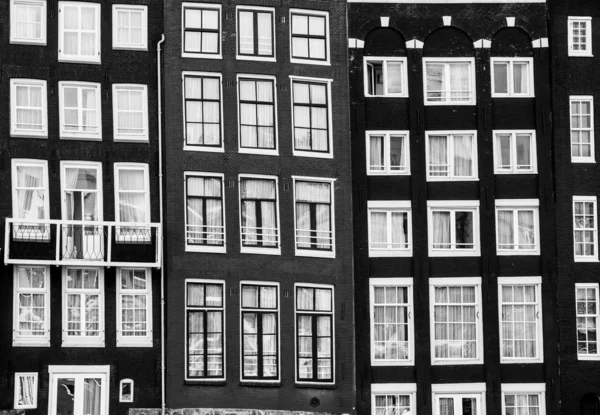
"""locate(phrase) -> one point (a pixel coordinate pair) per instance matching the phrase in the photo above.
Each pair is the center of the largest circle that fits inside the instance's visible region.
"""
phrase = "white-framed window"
(78, 32)
(456, 324)
(393, 398)
(523, 398)
(259, 314)
(259, 214)
(453, 227)
(30, 199)
(31, 306)
(28, 108)
(515, 152)
(202, 92)
(587, 315)
(205, 329)
(205, 212)
(512, 77)
(132, 201)
(309, 36)
(26, 390)
(314, 213)
(392, 324)
(582, 129)
(458, 398)
(451, 155)
(79, 390)
(311, 117)
(385, 77)
(517, 227)
(134, 307)
(315, 333)
(520, 309)
(585, 229)
(580, 36)
(201, 30)
(130, 27)
(388, 153)
(83, 307)
(390, 228)
(256, 33)
(126, 389)
(449, 81)
(257, 100)
(80, 110)
(28, 22)
(130, 112)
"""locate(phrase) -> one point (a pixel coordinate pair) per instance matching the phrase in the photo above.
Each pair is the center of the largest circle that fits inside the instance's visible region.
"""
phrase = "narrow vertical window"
(314, 226)
(582, 129)
(132, 201)
(130, 27)
(257, 115)
(586, 297)
(255, 32)
(126, 390)
(28, 22)
(205, 219)
(130, 112)
(26, 390)
(585, 228)
(388, 153)
(309, 36)
(201, 30)
(259, 213)
(202, 96)
(580, 36)
(31, 312)
(30, 199)
(311, 118)
(80, 110)
(29, 117)
(451, 156)
(78, 32)
(134, 307)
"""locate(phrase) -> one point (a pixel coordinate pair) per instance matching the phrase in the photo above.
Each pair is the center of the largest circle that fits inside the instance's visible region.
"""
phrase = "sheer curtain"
(503, 153)
(193, 110)
(446, 406)
(211, 111)
(441, 230)
(254, 192)
(397, 154)
(246, 32)
(92, 396)
(394, 77)
(520, 78)
(318, 195)
(379, 230)
(26, 387)
(376, 162)
(399, 230)
(269, 343)
(210, 40)
(438, 156)
(524, 152)
(302, 123)
(129, 112)
(88, 31)
(132, 196)
(436, 82)
(123, 36)
(526, 229)
(460, 88)
(264, 115)
(463, 155)
(305, 299)
(318, 117)
(29, 107)
(200, 223)
(265, 34)
(71, 30)
(506, 237)
(89, 110)
(501, 77)
(316, 27)
(30, 193)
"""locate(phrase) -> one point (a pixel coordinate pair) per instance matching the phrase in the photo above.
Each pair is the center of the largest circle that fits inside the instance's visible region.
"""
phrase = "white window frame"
(592, 157)
(80, 135)
(400, 389)
(588, 27)
(256, 9)
(327, 83)
(394, 283)
(62, 57)
(78, 373)
(83, 341)
(510, 77)
(458, 391)
(384, 60)
(583, 286)
(586, 258)
(14, 39)
(116, 110)
(453, 206)
(141, 233)
(539, 331)
(122, 397)
(516, 205)
(31, 341)
(205, 247)
(44, 232)
(202, 6)
(314, 252)
(387, 168)
(258, 150)
(461, 282)
(389, 207)
(18, 390)
(470, 61)
(525, 389)
(116, 8)
(513, 152)
(134, 341)
(31, 83)
(450, 154)
(319, 13)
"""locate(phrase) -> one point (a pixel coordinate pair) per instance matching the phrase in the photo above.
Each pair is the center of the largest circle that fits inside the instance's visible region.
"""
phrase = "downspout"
(162, 237)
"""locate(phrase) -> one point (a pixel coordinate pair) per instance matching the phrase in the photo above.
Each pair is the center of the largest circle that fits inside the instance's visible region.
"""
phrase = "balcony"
(68, 242)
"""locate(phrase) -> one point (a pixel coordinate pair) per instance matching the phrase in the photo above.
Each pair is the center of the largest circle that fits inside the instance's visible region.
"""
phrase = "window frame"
(78, 373)
(31, 341)
(80, 135)
(384, 60)
(254, 10)
(122, 383)
(588, 52)
(134, 341)
(121, 235)
(458, 391)
(453, 206)
(144, 137)
(510, 77)
(96, 59)
(202, 6)
(594, 201)
(387, 134)
(539, 331)
(450, 135)
(592, 157)
(41, 83)
(15, 163)
(14, 39)
(517, 205)
(310, 12)
(399, 389)
(524, 389)
(472, 76)
(258, 150)
(596, 288)
(395, 283)
(129, 7)
(390, 207)
(18, 376)
(203, 147)
(514, 153)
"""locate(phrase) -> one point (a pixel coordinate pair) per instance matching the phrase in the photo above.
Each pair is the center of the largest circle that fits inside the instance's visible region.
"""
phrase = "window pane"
(501, 78)
(394, 77)
(65, 397)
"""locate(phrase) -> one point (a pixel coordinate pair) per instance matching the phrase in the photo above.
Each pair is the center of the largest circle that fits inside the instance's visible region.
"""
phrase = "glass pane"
(65, 394)
(92, 396)
(501, 78)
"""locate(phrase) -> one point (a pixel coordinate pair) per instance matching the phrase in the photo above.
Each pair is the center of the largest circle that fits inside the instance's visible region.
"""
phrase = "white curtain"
(26, 389)
(92, 396)
(460, 89)
(376, 162)
(246, 32)
(526, 229)
(519, 328)
(123, 27)
(305, 299)
(88, 31)
(520, 78)
(438, 155)
(506, 237)
(322, 300)
(447, 406)
(250, 330)
(379, 230)
(399, 230)
(132, 196)
(31, 193)
(299, 44)
(71, 30)
(130, 119)
(463, 155)
(441, 230)
(258, 190)
(268, 297)
(503, 154)
(316, 27)
(394, 77)
(29, 107)
(523, 151)
(265, 34)
(89, 110)
(436, 82)
(210, 40)
(269, 344)
(250, 296)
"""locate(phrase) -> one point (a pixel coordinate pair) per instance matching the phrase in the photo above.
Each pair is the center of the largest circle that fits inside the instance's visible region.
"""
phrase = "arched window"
(589, 404)
(385, 64)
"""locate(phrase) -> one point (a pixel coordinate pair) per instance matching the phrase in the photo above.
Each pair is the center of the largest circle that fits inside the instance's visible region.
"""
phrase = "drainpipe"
(162, 237)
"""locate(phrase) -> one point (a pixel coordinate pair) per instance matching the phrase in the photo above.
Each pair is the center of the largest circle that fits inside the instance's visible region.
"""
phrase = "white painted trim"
(383, 60)
(472, 77)
(309, 61)
(80, 135)
(382, 204)
(593, 286)
(510, 77)
(130, 137)
(394, 387)
(588, 52)
(519, 280)
(517, 202)
(28, 41)
(31, 341)
(31, 83)
(589, 199)
(78, 373)
(540, 43)
(523, 387)
(592, 157)
(263, 9)
(447, 20)
(96, 59)
(510, 22)
(482, 44)
(450, 154)
(414, 44)
(17, 388)
(513, 150)
(386, 152)
(454, 281)
(356, 43)
(453, 203)
(134, 341)
(385, 21)
(210, 6)
(135, 8)
(458, 388)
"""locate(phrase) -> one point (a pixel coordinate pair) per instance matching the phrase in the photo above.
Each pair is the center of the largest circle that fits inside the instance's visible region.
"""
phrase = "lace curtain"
(208, 190)
(30, 193)
(438, 156)
(441, 230)
(455, 322)
(463, 155)
(525, 229)
(92, 396)
(519, 328)
(132, 196)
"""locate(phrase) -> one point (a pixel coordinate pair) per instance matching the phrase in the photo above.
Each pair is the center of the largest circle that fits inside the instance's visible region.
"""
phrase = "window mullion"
(315, 338)
(389, 224)
(205, 338)
(259, 343)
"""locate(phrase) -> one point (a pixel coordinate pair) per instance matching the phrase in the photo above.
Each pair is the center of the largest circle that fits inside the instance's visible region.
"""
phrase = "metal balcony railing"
(314, 239)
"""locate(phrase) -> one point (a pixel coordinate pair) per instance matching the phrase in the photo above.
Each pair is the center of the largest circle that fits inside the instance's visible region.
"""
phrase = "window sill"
(517, 253)
(123, 139)
(310, 62)
(74, 343)
(587, 357)
(203, 149)
(28, 42)
(521, 361)
(580, 259)
(386, 96)
(388, 254)
(512, 96)
(201, 55)
(581, 55)
(260, 251)
(31, 343)
(125, 343)
(583, 160)
(384, 363)
(313, 154)
(205, 382)
(258, 151)
(451, 179)
(504, 172)
(76, 59)
(79, 137)
(315, 385)
(130, 47)
(449, 253)
(256, 58)
(456, 362)
(377, 174)
(214, 250)
(449, 104)
(314, 254)
(261, 384)
(18, 134)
